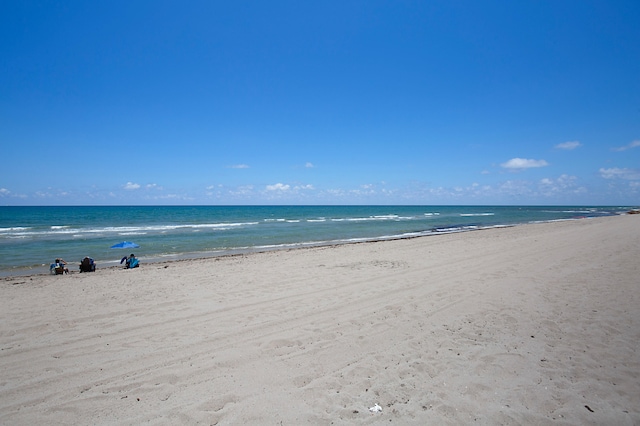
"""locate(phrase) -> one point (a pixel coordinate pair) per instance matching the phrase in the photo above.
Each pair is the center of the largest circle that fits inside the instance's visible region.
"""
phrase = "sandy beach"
(533, 324)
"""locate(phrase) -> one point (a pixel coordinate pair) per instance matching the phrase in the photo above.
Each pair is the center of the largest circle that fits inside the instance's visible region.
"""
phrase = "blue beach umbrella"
(125, 244)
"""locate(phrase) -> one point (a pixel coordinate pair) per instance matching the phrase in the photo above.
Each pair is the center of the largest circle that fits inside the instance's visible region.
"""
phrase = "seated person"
(132, 262)
(59, 267)
(87, 265)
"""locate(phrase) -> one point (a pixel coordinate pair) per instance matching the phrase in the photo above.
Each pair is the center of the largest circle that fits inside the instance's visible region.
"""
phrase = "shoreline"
(529, 324)
(32, 238)
(155, 259)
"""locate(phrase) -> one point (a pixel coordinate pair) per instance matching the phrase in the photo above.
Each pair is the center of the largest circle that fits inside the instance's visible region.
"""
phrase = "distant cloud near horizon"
(617, 173)
(131, 186)
(239, 166)
(523, 163)
(278, 187)
(309, 165)
(568, 145)
(630, 145)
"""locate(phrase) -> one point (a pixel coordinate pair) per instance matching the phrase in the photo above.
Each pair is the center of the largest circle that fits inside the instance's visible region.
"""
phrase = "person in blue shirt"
(132, 262)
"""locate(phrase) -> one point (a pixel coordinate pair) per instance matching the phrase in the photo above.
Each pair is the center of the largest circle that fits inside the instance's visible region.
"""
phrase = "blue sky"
(332, 102)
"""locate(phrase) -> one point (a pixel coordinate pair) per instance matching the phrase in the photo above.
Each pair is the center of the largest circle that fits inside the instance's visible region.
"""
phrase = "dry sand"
(535, 324)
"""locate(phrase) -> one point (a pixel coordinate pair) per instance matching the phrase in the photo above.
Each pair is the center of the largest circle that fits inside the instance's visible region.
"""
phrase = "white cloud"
(309, 165)
(239, 166)
(335, 192)
(303, 187)
(630, 145)
(4, 192)
(512, 187)
(523, 163)
(564, 184)
(568, 145)
(616, 173)
(565, 179)
(278, 187)
(242, 191)
(153, 186)
(129, 186)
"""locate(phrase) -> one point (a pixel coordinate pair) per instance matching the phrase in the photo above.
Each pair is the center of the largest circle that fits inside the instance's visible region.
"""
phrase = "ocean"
(32, 237)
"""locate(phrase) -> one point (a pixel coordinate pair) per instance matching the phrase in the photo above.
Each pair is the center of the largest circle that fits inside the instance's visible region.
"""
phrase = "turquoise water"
(32, 237)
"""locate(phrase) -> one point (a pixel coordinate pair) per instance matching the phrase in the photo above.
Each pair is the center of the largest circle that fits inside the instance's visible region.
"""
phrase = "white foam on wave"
(369, 218)
(163, 228)
(551, 220)
(26, 232)
(14, 229)
(476, 214)
(195, 226)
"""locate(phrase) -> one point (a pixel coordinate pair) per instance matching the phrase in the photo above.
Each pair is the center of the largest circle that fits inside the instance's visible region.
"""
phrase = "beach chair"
(87, 265)
(56, 269)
